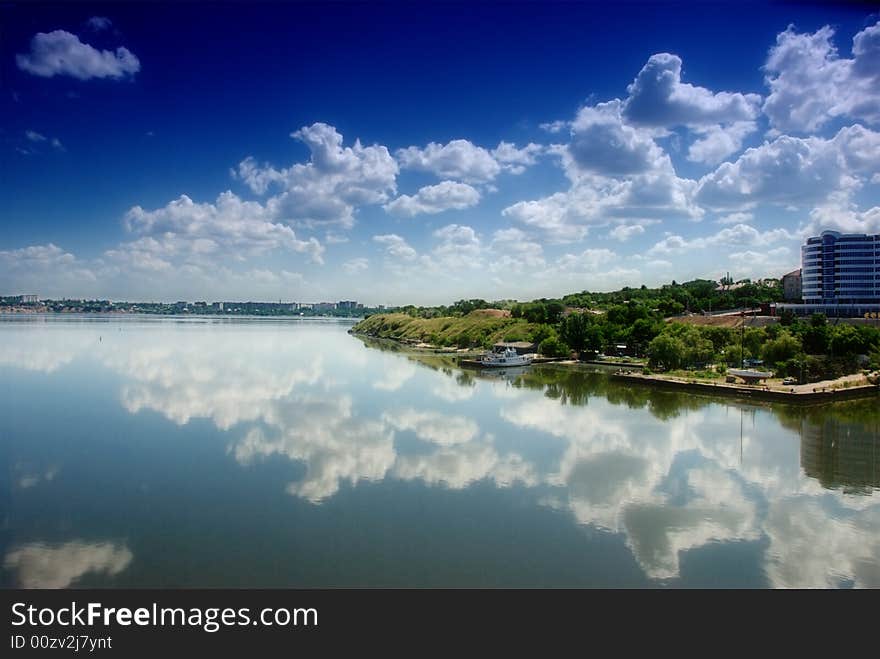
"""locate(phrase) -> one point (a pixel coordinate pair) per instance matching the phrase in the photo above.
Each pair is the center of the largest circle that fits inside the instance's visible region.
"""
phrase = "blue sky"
(414, 152)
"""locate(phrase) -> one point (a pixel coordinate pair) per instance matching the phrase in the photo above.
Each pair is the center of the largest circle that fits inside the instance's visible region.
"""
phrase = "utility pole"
(742, 336)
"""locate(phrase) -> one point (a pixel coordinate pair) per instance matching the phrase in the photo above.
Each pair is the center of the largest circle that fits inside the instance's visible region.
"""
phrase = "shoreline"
(469, 355)
(799, 394)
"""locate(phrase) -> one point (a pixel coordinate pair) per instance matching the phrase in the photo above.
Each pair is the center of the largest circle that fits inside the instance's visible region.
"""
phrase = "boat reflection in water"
(509, 373)
(267, 453)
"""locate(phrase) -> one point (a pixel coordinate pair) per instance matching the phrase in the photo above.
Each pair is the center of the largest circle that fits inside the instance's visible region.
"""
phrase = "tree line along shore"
(809, 350)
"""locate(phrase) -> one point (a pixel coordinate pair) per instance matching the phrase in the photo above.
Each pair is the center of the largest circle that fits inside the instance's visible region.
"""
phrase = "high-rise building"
(841, 268)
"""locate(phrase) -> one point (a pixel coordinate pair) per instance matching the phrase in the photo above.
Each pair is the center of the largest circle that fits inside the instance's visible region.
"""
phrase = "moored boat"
(505, 358)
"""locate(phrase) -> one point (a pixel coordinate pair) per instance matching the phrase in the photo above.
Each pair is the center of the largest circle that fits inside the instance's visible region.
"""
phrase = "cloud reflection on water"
(39, 565)
(668, 474)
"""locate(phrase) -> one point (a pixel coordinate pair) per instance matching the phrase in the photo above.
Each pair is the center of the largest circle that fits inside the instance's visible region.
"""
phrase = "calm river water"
(212, 452)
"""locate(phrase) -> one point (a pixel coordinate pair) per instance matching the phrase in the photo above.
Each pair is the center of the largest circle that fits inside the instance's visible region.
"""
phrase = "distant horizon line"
(363, 305)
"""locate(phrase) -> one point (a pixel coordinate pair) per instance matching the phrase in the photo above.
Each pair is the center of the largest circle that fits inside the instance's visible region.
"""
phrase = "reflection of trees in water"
(576, 386)
(865, 412)
(666, 405)
(464, 378)
(569, 386)
(385, 345)
(436, 362)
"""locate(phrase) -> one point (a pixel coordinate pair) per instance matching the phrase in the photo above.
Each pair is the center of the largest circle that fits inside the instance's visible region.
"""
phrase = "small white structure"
(750, 377)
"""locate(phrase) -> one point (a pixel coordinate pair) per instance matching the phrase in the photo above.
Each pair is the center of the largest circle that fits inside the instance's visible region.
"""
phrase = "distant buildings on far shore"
(839, 276)
(349, 305)
(341, 308)
(22, 299)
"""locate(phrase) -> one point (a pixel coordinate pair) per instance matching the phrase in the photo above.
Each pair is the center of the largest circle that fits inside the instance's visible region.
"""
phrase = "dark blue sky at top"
(219, 82)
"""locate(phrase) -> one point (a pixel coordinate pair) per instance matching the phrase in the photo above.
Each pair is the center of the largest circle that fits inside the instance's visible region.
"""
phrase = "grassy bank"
(809, 350)
(475, 330)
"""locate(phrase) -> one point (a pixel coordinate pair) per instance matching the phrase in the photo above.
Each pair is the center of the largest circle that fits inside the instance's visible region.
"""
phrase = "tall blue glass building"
(841, 269)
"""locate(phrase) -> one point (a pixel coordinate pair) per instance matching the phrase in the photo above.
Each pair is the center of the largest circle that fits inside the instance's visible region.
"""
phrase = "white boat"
(505, 358)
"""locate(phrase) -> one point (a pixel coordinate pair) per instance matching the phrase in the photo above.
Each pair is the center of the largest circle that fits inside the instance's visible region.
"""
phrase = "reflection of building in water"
(841, 454)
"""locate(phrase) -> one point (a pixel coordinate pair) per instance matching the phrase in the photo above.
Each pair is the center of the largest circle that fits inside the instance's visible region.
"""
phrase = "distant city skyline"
(424, 153)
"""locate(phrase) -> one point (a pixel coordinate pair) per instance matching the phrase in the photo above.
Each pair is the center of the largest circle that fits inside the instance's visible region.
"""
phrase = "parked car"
(787, 381)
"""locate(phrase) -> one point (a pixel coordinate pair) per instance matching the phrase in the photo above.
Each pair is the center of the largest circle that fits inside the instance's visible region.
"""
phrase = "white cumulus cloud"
(599, 201)
(718, 142)
(741, 234)
(794, 171)
(184, 230)
(658, 97)
(516, 160)
(62, 53)
(431, 199)
(458, 159)
(356, 266)
(329, 188)
(602, 143)
(396, 247)
(810, 84)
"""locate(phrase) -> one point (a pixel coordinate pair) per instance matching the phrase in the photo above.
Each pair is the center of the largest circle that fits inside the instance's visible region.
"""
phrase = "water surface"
(217, 452)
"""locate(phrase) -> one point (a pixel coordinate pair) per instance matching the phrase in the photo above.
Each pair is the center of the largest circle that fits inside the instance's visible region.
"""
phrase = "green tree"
(665, 351)
(874, 360)
(697, 348)
(573, 330)
(815, 338)
(732, 354)
(534, 312)
(553, 347)
(642, 333)
(595, 339)
(847, 341)
(781, 349)
(753, 340)
(542, 332)
(553, 311)
(670, 307)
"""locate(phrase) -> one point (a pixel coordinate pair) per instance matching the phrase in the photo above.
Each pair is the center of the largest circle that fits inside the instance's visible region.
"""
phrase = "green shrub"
(781, 349)
(553, 347)
(542, 332)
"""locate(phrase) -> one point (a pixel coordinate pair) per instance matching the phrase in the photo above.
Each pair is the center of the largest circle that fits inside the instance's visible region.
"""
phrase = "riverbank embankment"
(847, 388)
